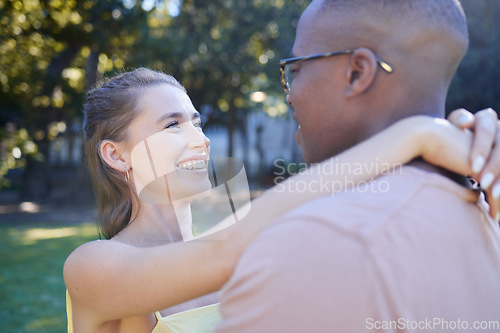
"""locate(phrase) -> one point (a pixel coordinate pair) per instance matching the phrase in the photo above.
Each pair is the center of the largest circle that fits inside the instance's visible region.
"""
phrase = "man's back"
(409, 251)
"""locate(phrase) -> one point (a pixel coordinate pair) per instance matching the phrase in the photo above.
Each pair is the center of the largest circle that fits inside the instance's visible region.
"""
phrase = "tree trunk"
(82, 189)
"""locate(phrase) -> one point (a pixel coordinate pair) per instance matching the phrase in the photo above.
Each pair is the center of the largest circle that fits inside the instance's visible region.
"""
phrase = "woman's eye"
(199, 124)
(172, 124)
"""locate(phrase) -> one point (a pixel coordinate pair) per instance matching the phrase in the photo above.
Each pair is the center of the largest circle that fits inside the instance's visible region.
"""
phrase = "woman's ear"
(111, 154)
(361, 71)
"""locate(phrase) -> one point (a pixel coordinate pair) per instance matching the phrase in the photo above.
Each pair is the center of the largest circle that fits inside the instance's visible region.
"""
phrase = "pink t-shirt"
(410, 252)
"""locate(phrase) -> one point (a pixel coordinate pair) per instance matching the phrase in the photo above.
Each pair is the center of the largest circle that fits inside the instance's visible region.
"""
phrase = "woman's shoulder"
(94, 277)
(91, 274)
(87, 252)
(94, 253)
(87, 259)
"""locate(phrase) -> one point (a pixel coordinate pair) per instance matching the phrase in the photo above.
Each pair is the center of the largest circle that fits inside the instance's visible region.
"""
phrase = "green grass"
(32, 291)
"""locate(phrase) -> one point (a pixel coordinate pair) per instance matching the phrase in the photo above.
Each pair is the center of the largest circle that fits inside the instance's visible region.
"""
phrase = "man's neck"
(390, 112)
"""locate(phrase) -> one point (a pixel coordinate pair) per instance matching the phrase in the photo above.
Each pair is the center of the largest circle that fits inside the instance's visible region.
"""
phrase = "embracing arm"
(436, 140)
(113, 280)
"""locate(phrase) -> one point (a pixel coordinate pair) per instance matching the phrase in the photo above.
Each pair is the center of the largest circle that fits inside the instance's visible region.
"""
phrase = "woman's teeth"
(193, 165)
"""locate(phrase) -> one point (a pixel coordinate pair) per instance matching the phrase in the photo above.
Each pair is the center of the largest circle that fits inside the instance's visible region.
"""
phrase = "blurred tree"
(225, 50)
(47, 47)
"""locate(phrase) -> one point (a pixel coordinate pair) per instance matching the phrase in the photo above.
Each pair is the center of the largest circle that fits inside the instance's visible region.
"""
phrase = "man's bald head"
(432, 32)
(340, 101)
(440, 13)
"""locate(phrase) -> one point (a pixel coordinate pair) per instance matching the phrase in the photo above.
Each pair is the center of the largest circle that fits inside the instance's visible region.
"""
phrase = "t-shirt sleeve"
(296, 276)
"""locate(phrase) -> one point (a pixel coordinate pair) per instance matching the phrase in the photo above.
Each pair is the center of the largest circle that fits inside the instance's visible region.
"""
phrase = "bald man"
(411, 251)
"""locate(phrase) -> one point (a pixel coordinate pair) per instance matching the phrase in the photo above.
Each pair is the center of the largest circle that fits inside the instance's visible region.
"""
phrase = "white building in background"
(269, 139)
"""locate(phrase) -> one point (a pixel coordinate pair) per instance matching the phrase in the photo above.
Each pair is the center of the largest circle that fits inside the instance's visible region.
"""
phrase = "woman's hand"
(484, 155)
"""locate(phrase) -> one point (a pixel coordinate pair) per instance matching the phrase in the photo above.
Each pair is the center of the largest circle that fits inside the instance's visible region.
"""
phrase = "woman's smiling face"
(168, 150)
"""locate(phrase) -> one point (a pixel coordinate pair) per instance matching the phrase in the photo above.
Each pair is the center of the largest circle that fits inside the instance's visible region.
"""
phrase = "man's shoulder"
(360, 210)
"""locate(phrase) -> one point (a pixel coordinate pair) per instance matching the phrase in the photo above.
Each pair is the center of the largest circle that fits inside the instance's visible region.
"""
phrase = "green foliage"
(51, 52)
(31, 284)
(15, 146)
(222, 51)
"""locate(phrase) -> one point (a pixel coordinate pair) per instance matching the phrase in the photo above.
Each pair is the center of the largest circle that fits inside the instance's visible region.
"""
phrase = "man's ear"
(361, 71)
(111, 154)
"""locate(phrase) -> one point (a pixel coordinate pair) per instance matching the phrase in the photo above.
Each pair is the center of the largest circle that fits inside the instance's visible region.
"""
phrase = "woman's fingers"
(494, 203)
(484, 125)
(485, 157)
(485, 130)
(493, 200)
(485, 151)
(490, 177)
(461, 118)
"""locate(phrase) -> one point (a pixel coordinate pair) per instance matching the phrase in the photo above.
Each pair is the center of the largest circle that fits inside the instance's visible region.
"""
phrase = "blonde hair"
(109, 110)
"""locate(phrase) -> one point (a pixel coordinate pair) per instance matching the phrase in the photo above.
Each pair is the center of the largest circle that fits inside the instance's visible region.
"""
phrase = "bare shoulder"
(95, 277)
(87, 255)
(91, 266)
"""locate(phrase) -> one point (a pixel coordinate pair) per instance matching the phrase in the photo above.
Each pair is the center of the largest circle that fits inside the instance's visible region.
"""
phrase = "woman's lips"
(194, 164)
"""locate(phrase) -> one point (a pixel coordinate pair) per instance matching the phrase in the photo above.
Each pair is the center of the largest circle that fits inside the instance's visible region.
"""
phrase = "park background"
(225, 52)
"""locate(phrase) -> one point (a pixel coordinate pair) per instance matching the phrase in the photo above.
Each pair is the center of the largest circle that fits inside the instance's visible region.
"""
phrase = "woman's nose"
(206, 140)
(199, 139)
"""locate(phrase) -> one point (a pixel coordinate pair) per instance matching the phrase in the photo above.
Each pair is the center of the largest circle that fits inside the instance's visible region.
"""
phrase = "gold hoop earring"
(127, 176)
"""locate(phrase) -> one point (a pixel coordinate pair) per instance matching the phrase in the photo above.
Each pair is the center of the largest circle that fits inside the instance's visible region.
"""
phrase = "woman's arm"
(435, 140)
(112, 280)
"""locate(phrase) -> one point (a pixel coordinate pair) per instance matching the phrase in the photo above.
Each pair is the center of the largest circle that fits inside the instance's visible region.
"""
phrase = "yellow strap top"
(69, 313)
(199, 320)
